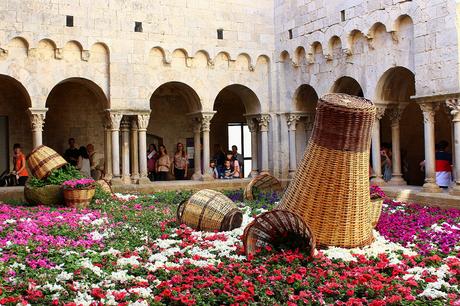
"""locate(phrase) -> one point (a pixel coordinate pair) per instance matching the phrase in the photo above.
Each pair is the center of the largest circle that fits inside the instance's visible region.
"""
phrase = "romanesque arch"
(347, 85)
(76, 108)
(231, 105)
(14, 121)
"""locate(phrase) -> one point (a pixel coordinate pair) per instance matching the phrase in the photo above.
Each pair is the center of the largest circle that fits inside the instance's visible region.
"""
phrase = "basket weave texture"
(105, 186)
(263, 183)
(42, 160)
(277, 228)
(49, 195)
(209, 210)
(376, 211)
(79, 198)
(330, 190)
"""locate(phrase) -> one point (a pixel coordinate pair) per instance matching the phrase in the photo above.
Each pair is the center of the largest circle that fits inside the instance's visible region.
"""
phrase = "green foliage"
(57, 177)
(100, 194)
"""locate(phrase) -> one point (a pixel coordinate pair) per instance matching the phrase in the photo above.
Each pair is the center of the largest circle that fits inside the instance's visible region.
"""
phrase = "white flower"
(120, 276)
(139, 303)
(53, 287)
(83, 299)
(111, 251)
(9, 221)
(64, 276)
(86, 263)
(142, 292)
(133, 261)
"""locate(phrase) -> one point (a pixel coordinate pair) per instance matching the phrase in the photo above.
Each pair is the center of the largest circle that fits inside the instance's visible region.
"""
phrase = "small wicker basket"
(209, 210)
(376, 211)
(42, 160)
(263, 183)
(280, 229)
(79, 198)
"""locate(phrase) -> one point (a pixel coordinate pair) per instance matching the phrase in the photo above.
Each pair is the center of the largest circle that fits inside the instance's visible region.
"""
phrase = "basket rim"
(36, 149)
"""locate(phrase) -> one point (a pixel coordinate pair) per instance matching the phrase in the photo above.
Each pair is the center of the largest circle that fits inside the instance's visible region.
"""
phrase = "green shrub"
(57, 177)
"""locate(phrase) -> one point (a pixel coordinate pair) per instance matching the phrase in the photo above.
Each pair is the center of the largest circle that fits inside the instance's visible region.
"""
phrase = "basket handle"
(180, 211)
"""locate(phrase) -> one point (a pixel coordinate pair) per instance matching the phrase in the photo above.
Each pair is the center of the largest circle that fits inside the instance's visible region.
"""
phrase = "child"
(213, 169)
(228, 172)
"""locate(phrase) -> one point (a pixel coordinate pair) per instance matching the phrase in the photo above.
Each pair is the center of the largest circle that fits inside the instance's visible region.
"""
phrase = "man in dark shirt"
(71, 154)
(443, 165)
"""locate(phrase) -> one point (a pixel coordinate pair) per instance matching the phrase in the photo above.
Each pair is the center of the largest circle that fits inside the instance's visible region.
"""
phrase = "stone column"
(292, 120)
(196, 122)
(125, 175)
(37, 120)
(454, 106)
(254, 148)
(429, 111)
(108, 151)
(115, 119)
(264, 121)
(309, 122)
(206, 128)
(376, 159)
(143, 123)
(134, 151)
(395, 117)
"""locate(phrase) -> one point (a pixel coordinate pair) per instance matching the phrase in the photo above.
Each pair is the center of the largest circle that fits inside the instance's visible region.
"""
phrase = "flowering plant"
(377, 193)
(79, 184)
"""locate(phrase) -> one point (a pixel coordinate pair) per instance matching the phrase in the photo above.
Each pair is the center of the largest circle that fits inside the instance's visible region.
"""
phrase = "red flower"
(269, 292)
(98, 293)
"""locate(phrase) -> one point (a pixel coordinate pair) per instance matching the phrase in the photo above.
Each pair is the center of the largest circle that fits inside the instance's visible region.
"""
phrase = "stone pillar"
(134, 151)
(206, 128)
(454, 106)
(254, 148)
(376, 159)
(143, 123)
(196, 123)
(37, 120)
(292, 120)
(125, 175)
(309, 122)
(429, 111)
(264, 121)
(115, 119)
(395, 117)
(108, 151)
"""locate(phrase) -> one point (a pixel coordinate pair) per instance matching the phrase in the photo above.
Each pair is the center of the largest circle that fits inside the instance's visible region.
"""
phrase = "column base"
(107, 177)
(253, 173)
(291, 174)
(197, 176)
(116, 181)
(134, 178)
(126, 179)
(377, 181)
(207, 177)
(431, 188)
(144, 181)
(265, 172)
(397, 181)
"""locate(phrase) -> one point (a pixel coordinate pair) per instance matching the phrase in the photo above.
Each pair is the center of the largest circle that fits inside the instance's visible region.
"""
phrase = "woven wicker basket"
(330, 190)
(49, 195)
(376, 211)
(79, 198)
(263, 183)
(209, 210)
(42, 160)
(278, 229)
(105, 186)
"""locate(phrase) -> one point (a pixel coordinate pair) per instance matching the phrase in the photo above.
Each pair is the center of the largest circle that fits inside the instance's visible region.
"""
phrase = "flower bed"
(127, 250)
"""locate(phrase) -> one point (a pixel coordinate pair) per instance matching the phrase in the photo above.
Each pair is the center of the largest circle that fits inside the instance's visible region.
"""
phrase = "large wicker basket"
(49, 195)
(42, 160)
(105, 186)
(79, 198)
(262, 183)
(209, 210)
(330, 190)
(280, 229)
(376, 211)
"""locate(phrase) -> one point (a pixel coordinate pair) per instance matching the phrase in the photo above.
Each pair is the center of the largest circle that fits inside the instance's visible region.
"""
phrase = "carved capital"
(85, 55)
(211, 63)
(310, 58)
(189, 62)
(292, 120)
(58, 53)
(328, 57)
(3, 53)
(115, 120)
(379, 111)
(429, 111)
(264, 122)
(454, 107)
(37, 120)
(134, 125)
(206, 122)
(395, 114)
(347, 51)
(252, 125)
(251, 67)
(295, 64)
(143, 121)
(125, 124)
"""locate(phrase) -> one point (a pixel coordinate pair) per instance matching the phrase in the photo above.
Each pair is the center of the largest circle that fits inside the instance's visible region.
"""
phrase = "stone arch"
(300, 56)
(18, 47)
(72, 51)
(404, 29)
(396, 85)
(375, 29)
(222, 60)
(14, 122)
(358, 42)
(201, 59)
(284, 56)
(157, 57)
(76, 108)
(46, 49)
(402, 21)
(305, 98)
(179, 58)
(99, 53)
(243, 62)
(347, 85)
(335, 46)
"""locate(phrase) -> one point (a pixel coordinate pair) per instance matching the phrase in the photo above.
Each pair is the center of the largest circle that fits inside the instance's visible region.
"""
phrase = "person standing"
(443, 165)
(163, 164)
(72, 153)
(239, 157)
(19, 162)
(180, 162)
(219, 157)
(386, 155)
(96, 162)
(234, 166)
(152, 157)
(83, 163)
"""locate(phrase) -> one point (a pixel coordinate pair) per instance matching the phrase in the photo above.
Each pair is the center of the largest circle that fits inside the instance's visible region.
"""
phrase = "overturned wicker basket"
(209, 210)
(42, 160)
(280, 229)
(330, 190)
(262, 183)
(376, 211)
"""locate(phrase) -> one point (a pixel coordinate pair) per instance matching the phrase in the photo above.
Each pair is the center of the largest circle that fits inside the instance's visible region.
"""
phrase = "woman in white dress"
(84, 164)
